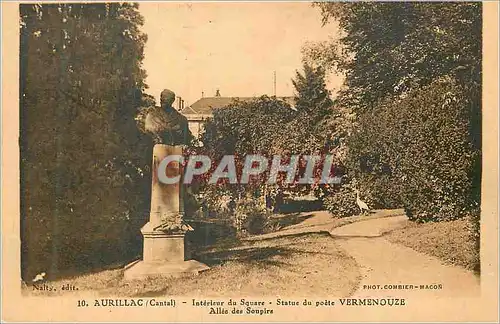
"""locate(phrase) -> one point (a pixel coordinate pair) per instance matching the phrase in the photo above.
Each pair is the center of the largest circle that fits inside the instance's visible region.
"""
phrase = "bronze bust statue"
(165, 124)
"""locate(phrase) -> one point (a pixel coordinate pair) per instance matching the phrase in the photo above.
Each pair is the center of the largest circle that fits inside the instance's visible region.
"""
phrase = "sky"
(233, 46)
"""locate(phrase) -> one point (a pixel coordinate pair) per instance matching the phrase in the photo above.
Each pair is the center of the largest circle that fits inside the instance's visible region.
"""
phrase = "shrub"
(381, 191)
(250, 217)
(416, 152)
(342, 203)
(246, 215)
(192, 208)
(209, 232)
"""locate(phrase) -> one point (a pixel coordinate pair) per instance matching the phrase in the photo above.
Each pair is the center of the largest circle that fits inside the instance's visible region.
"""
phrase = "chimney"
(182, 104)
(202, 94)
(179, 103)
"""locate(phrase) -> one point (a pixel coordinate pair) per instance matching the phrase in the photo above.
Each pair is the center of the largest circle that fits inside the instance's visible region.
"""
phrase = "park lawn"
(309, 265)
(451, 241)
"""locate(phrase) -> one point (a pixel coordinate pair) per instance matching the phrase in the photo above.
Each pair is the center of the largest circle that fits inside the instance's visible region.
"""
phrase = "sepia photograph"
(251, 161)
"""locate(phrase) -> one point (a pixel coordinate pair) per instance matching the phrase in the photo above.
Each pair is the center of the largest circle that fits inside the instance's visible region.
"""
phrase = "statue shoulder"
(179, 117)
(154, 119)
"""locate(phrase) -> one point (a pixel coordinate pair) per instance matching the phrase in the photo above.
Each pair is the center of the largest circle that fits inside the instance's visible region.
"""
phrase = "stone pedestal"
(161, 247)
(165, 252)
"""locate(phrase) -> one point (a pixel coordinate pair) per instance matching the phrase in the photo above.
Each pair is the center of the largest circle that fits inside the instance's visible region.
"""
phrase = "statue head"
(167, 98)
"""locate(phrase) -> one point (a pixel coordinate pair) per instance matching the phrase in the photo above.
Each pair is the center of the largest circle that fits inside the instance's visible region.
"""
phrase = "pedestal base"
(163, 255)
(161, 247)
(141, 270)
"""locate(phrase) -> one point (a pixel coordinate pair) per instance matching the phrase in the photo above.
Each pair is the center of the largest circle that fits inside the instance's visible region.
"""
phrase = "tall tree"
(312, 97)
(82, 160)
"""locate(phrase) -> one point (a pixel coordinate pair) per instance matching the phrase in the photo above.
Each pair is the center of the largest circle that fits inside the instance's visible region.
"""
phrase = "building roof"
(206, 105)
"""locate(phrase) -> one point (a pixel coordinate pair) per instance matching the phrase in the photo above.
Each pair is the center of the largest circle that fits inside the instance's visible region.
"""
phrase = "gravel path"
(322, 221)
(385, 263)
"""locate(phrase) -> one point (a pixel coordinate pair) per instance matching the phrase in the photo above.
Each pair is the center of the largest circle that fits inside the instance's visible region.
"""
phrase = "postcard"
(250, 161)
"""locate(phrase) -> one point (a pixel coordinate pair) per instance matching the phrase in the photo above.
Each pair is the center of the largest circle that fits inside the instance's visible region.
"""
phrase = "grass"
(450, 241)
(310, 265)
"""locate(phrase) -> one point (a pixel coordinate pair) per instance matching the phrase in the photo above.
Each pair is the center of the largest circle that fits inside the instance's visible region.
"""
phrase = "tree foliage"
(413, 79)
(312, 97)
(240, 129)
(416, 153)
(246, 127)
(390, 48)
(83, 161)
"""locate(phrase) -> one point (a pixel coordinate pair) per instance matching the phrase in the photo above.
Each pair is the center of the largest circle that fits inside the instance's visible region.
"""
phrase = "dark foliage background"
(84, 164)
